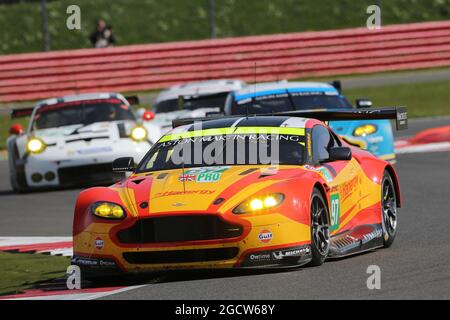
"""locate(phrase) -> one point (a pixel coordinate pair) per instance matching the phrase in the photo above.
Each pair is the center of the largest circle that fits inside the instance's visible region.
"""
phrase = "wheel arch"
(322, 189)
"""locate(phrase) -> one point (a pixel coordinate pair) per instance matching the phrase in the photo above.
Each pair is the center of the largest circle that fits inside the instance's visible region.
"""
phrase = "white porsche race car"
(192, 100)
(73, 140)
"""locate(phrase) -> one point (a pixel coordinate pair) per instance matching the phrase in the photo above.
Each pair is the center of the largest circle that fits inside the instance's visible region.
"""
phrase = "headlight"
(260, 203)
(36, 145)
(108, 210)
(365, 130)
(138, 133)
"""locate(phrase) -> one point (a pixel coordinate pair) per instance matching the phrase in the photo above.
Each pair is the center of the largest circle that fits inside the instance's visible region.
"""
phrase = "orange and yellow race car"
(241, 192)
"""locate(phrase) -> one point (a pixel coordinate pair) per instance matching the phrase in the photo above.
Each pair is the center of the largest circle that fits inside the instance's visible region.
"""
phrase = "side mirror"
(148, 116)
(340, 154)
(363, 103)
(123, 165)
(16, 129)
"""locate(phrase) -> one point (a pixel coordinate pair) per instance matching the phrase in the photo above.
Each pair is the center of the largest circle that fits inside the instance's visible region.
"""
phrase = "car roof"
(262, 89)
(199, 88)
(83, 97)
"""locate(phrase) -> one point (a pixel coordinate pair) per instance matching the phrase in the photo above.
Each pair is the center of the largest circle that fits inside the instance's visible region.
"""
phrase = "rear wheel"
(389, 210)
(320, 234)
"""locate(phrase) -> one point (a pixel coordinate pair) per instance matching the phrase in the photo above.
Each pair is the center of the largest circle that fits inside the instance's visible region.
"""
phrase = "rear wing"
(21, 113)
(399, 114)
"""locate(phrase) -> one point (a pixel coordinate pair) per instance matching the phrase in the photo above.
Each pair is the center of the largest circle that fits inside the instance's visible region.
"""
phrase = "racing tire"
(388, 210)
(320, 234)
(18, 178)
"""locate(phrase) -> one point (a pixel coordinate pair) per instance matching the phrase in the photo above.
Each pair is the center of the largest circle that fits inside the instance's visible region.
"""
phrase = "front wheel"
(389, 210)
(320, 234)
(18, 179)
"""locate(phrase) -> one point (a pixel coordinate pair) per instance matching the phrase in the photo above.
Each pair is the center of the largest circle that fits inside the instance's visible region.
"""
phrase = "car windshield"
(83, 113)
(290, 102)
(233, 146)
(192, 103)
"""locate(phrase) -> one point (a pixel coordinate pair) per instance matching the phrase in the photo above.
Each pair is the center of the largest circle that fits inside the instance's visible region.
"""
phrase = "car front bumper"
(98, 251)
(73, 167)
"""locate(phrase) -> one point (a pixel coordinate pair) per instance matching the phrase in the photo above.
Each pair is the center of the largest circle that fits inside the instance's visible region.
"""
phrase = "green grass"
(146, 21)
(422, 99)
(22, 271)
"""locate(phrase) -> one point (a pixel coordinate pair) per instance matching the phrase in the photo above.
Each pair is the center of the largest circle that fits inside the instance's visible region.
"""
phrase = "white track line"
(430, 147)
(80, 296)
(13, 241)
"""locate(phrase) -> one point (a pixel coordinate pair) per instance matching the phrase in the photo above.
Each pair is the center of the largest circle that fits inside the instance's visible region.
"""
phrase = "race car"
(240, 192)
(375, 136)
(73, 141)
(192, 100)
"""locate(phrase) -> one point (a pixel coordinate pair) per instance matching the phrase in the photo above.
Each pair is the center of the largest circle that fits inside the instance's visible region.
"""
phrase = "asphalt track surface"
(417, 266)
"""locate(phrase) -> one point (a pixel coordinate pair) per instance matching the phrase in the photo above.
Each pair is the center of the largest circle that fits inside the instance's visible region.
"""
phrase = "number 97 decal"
(335, 211)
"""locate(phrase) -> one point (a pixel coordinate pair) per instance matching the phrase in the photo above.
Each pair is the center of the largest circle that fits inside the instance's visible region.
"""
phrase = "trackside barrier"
(34, 76)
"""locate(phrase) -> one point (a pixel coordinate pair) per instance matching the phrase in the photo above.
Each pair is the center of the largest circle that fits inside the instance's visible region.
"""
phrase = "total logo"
(99, 243)
(265, 236)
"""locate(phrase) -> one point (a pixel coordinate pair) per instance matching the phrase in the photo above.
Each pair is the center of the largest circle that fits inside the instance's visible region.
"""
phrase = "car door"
(341, 176)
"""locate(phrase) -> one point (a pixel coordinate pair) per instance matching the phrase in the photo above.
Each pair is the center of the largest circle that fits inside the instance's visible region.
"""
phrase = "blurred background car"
(192, 100)
(73, 141)
(375, 136)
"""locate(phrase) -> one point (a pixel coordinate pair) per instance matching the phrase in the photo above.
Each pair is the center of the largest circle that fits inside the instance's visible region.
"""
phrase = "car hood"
(72, 133)
(201, 190)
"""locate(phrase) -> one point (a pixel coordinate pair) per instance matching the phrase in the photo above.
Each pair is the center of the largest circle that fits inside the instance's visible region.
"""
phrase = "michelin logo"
(279, 255)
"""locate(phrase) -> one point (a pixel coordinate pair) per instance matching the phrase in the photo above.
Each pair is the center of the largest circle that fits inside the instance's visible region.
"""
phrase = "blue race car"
(375, 136)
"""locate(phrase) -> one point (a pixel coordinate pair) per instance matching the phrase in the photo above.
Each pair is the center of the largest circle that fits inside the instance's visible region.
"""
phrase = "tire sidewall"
(388, 238)
(317, 258)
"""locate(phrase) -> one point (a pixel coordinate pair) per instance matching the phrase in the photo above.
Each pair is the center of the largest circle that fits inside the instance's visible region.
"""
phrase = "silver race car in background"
(192, 100)
(73, 141)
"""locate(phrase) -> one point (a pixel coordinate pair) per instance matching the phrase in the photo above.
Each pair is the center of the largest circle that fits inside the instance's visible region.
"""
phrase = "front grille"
(178, 229)
(180, 256)
(83, 175)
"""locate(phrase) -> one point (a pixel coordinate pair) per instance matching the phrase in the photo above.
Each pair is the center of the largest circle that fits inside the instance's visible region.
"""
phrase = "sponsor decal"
(278, 255)
(186, 177)
(347, 188)
(91, 262)
(94, 150)
(265, 236)
(322, 170)
(230, 137)
(378, 139)
(260, 256)
(285, 256)
(99, 243)
(335, 203)
(177, 193)
(203, 175)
